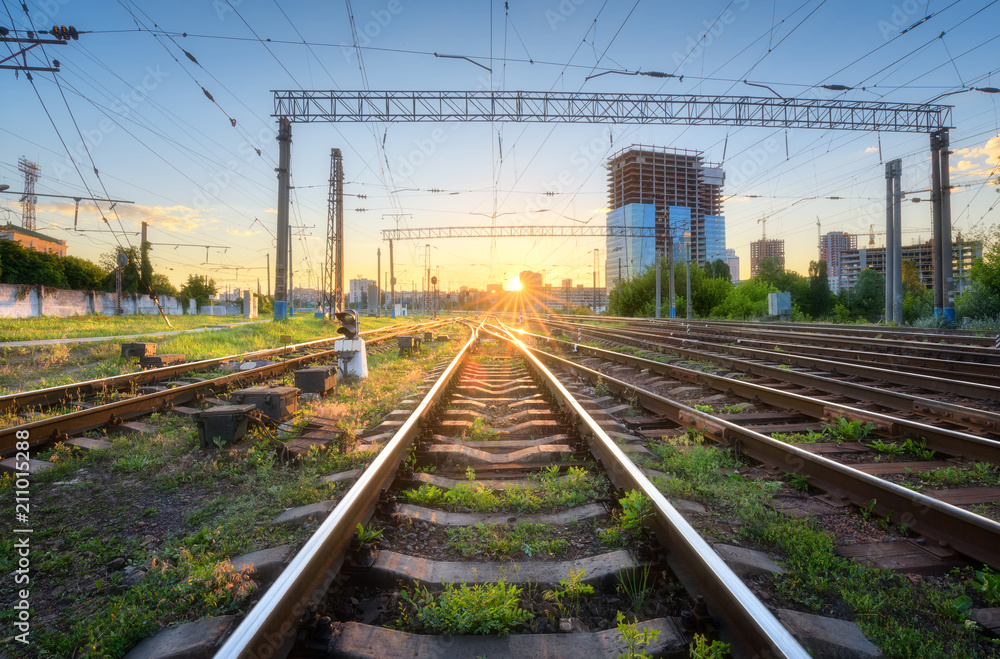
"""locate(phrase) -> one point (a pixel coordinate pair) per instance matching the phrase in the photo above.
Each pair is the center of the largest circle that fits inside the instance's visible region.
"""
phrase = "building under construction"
(963, 254)
(673, 190)
(773, 249)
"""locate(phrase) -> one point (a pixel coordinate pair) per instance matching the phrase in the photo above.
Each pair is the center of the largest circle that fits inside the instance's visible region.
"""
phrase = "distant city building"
(530, 281)
(775, 249)
(363, 294)
(655, 187)
(33, 240)
(963, 254)
(733, 262)
(832, 247)
(494, 288)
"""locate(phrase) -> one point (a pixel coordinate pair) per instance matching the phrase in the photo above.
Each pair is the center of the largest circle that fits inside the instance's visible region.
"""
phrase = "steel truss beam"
(518, 231)
(305, 106)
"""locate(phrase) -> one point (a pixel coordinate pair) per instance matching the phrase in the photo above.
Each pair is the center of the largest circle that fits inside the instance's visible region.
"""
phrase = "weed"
(987, 584)
(628, 524)
(635, 584)
(845, 430)
(480, 432)
(462, 609)
(505, 541)
(784, 367)
(425, 495)
(734, 409)
(886, 448)
(636, 640)
(601, 389)
(778, 349)
(799, 482)
(707, 409)
(570, 592)
(368, 536)
(701, 648)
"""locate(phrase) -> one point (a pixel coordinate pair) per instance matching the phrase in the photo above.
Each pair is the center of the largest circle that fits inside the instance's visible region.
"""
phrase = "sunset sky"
(130, 93)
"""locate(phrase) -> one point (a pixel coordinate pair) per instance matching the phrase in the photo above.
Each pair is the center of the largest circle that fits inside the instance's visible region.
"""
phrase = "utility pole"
(657, 316)
(280, 264)
(378, 288)
(595, 280)
(268, 274)
(392, 284)
(427, 277)
(619, 285)
(688, 268)
(28, 201)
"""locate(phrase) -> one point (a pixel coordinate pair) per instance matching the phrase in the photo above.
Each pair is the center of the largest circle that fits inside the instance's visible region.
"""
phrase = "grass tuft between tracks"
(139, 536)
(904, 619)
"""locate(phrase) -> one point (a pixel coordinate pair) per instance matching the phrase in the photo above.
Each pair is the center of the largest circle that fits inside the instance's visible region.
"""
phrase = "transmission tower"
(333, 268)
(28, 201)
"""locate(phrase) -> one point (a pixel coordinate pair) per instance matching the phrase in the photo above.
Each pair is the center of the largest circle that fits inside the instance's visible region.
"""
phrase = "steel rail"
(951, 442)
(972, 535)
(750, 621)
(876, 349)
(267, 630)
(62, 426)
(58, 394)
(950, 412)
(952, 336)
(931, 383)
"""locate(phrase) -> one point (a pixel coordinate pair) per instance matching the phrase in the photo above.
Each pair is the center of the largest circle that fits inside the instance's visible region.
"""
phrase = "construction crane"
(872, 233)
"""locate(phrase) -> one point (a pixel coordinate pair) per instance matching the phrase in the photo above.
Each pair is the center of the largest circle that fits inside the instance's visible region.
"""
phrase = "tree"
(161, 285)
(982, 299)
(198, 289)
(145, 268)
(717, 269)
(130, 274)
(820, 297)
(866, 298)
(918, 301)
(746, 300)
(82, 275)
(25, 266)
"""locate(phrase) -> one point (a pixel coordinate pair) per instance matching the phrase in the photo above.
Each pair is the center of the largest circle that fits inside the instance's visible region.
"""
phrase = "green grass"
(576, 487)
(24, 369)
(50, 327)
(903, 619)
(201, 507)
(462, 609)
(506, 541)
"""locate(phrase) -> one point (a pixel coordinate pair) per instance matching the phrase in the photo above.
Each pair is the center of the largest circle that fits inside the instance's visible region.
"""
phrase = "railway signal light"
(64, 33)
(348, 324)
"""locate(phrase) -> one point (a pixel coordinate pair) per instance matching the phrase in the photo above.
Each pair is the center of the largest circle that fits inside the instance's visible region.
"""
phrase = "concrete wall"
(19, 301)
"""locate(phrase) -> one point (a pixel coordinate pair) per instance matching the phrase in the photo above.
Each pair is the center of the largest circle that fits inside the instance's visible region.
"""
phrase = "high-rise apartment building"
(675, 193)
(733, 262)
(832, 247)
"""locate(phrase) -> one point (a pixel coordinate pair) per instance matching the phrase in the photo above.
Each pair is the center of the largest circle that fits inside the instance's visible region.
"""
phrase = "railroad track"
(850, 471)
(541, 458)
(135, 395)
(939, 390)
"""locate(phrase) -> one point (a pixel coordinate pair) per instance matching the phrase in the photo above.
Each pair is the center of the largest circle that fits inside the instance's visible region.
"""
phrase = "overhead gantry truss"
(305, 106)
(518, 231)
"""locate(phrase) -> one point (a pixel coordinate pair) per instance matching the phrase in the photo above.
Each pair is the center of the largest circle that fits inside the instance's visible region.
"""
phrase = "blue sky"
(128, 90)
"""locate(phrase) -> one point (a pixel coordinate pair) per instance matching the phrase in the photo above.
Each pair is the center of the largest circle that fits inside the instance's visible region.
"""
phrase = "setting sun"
(513, 284)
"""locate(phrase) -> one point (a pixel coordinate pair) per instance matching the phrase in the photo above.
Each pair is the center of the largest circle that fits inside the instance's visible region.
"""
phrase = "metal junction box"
(227, 423)
(316, 379)
(276, 403)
